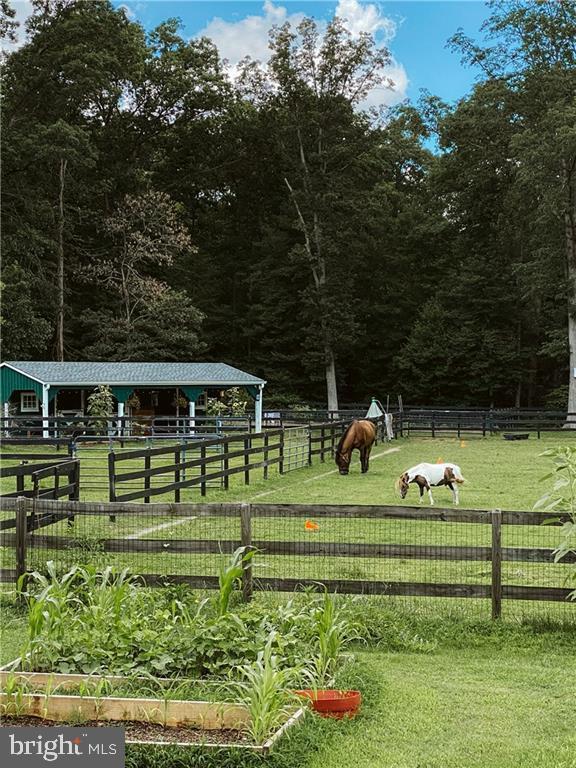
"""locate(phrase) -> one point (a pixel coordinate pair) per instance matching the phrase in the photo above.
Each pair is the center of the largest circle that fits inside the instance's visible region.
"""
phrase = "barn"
(46, 388)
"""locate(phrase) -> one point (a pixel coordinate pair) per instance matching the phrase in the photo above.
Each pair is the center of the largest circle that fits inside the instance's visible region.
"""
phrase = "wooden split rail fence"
(244, 516)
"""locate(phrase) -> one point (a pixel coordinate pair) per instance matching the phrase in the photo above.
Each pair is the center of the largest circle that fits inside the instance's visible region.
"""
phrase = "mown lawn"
(478, 695)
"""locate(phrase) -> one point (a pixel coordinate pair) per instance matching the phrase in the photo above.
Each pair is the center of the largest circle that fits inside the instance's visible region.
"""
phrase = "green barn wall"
(12, 381)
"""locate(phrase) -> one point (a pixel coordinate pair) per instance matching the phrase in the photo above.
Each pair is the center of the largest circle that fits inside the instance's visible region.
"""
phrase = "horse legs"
(365, 458)
(430, 495)
(454, 489)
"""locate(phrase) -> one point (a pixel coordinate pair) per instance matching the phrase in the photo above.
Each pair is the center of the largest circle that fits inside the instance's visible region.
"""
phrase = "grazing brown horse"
(360, 435)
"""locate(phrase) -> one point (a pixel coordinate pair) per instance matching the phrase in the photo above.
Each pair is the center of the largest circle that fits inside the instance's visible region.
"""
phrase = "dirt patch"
(136, 731)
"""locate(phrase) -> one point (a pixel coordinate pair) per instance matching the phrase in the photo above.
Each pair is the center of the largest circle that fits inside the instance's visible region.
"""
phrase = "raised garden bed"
(147, 720)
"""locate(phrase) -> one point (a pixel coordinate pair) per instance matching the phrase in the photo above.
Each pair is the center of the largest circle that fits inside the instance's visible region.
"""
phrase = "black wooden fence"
(309, 545)
(44, 467)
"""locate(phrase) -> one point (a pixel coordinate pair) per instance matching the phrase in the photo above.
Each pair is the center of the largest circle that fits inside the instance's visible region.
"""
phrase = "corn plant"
(561, 499)
(15, 688)
(334, 632)
(230, 574)
(264, 688)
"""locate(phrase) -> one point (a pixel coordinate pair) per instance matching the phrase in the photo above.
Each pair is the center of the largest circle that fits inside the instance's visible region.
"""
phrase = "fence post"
(147, 479)
(322, 445)
(265, 455)
(203, 470)
(496, 563)
(281, 462)
(247, 444)
(177, 473)
(309, 444)
(484, 424)
(111, 482)
(433, 424)
(246, 541)
(226, 465)
(21, 531)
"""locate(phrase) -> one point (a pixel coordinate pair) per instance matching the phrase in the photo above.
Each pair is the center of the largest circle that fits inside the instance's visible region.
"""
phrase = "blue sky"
(415, 31)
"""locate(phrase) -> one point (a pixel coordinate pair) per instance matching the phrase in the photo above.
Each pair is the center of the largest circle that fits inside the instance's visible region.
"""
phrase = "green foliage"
(234, 403)
(561, 499)
(88, 621)
(100, 405)
(264, 686)
(230, 575)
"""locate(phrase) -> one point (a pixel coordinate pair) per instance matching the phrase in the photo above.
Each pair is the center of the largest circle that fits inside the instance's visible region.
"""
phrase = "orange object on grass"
(310, 525)
(439, 460)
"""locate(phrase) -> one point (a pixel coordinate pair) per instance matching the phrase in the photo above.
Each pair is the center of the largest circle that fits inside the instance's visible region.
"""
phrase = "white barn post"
(258, 407)
(120, 416)
(45, 413)
(191, 415)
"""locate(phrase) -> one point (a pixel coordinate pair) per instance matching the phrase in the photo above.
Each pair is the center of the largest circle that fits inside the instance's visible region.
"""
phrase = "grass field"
(498, 474)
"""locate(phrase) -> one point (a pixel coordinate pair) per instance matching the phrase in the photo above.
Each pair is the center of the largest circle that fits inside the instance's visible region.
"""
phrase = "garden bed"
(152, 733)
(146, 720)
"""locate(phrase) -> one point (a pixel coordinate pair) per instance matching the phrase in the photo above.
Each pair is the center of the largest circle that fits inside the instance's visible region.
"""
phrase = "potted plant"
(334, 633)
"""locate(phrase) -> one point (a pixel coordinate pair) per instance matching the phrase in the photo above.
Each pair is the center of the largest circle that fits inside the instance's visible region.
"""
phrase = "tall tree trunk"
(331, 386)
(60, 271)
(569, 169)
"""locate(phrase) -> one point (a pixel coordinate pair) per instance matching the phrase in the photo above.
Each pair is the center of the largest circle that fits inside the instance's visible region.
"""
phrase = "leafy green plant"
(561, 499)
(14, 688)
(233, 403)
(100, 406)
(230, 574)
(265, 688)
(334, 633)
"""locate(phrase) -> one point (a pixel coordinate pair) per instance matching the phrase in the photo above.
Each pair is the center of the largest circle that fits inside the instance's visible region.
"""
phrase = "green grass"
(483, 695)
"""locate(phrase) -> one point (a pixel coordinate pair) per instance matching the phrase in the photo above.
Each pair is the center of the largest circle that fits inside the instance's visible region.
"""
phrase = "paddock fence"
(144, 468)
(510, 422)
(488, 558)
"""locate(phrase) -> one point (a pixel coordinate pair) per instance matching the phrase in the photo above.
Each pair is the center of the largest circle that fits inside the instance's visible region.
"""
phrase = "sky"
(415, 31)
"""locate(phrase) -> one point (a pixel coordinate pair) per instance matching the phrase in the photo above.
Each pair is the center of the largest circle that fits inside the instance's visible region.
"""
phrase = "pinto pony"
(359, 435)
(427, 475)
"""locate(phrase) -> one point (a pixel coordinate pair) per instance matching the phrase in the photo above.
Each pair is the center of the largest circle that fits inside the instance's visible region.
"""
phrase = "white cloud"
(362, 17)
(23, 10)
(249, 37)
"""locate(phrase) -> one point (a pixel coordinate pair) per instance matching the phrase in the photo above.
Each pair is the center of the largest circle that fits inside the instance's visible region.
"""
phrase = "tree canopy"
(156, 208)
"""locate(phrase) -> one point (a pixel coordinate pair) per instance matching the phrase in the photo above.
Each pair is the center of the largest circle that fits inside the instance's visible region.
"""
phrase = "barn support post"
(258, 408)
(191, 416)
(45, 410)
(6, 413)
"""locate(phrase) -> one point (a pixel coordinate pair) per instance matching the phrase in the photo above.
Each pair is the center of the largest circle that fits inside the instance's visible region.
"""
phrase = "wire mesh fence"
(489, 562)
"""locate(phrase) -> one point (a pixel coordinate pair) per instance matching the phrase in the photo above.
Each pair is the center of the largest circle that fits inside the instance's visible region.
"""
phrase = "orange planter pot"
(333, 703)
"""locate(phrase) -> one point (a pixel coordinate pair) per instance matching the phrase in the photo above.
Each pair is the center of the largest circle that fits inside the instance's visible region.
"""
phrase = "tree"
(307, 97)
(149, 319)
(24, 331)
(534, 53)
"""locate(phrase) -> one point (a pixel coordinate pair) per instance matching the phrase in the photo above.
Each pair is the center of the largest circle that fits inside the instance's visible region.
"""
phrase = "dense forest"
(155, 208)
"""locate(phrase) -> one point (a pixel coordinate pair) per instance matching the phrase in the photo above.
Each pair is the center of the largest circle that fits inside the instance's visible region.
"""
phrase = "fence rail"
(246, 523)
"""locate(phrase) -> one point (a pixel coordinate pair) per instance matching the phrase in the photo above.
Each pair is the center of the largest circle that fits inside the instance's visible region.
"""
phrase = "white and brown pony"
(360, 436)
(427, 475)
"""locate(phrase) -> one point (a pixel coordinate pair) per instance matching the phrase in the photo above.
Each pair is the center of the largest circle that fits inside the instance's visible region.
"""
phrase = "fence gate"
(296, 448)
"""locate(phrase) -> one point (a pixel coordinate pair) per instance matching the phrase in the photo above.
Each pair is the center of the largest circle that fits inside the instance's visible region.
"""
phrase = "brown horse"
(360, 435)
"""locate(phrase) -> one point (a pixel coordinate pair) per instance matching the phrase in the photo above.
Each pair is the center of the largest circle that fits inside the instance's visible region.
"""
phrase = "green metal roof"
(135, 374)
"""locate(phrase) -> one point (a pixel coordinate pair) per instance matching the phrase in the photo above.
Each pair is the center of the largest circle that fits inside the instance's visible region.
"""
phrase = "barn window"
(28, 402)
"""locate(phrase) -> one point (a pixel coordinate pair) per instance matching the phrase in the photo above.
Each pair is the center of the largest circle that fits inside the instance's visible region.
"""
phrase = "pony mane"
(341, 442)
